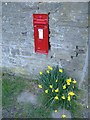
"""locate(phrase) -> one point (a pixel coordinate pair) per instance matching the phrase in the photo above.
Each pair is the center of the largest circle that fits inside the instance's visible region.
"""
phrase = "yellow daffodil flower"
(87, 106)
(56, 90)
(68, 80)
(46, 91)
(56, 80)
(63, 97)
(60, 70)
(48, 71)
(64, 86)
(74, 81)
(69, 98)
(40, 73)
(49, 67)
(40, 86)
(68, 83)
(71, 93)
(63, 116)
(52, 90)
(56, 98)
(55, 111)
(50, 86)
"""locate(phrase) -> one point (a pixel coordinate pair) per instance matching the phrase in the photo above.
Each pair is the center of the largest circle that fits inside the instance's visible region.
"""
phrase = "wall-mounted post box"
(41, 33)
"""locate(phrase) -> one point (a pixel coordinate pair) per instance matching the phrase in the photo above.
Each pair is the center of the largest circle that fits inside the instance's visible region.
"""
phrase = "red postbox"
(41, 33)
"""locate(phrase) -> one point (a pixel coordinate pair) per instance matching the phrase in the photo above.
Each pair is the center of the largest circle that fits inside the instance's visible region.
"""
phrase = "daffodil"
(55, 111)
(68, 80)
(63, 116)
(64, 86)
(63, 97)
(40, 73)
(69, 98)
(68, 83)
(50, 86)
(56, 98)
(40, 86)
(49, 67)
(56, 80)
(60, 70)
(52, 90)
(56, 90)
(71, 93)
(74, 81)
(46, 91)
(48, 71)
(87, 106)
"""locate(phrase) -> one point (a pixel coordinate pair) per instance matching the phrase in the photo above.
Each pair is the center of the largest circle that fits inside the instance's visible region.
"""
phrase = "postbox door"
(41, 38)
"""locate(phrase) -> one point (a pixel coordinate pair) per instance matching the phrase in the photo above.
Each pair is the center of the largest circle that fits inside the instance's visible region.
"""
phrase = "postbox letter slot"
(40, 33)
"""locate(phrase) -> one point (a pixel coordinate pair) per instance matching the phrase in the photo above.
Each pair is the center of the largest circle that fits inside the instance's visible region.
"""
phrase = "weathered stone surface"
(68, 25)
(0, 33)
(27, 97)
(44, 1)
(60, 113)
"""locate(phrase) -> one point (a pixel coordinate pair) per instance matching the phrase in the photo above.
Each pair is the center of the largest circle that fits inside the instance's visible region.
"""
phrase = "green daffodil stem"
(48, 101)
(51, 103)
(45, 76)
(44, 80)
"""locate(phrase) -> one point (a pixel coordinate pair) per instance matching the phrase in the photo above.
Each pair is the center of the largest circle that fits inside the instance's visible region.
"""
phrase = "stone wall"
(44, 0)
(68, 24)
(0, 60)
(89, 55)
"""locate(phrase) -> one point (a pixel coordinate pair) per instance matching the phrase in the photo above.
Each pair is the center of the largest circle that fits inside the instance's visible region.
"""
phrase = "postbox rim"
(40, 16)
